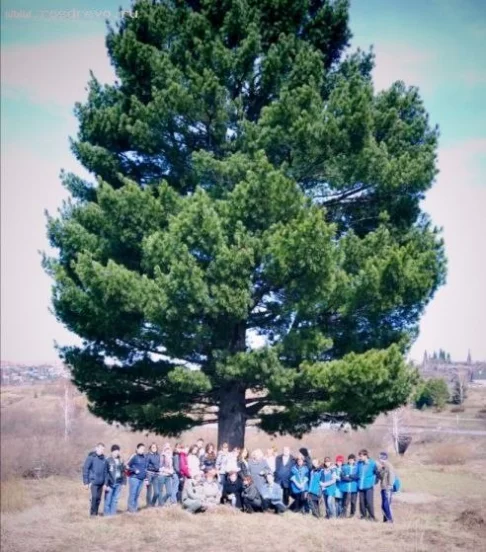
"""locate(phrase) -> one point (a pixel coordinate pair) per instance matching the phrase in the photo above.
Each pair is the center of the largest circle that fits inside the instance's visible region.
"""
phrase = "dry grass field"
(44, 506)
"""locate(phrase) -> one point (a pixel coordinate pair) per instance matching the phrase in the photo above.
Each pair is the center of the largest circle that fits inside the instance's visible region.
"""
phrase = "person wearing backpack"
(386, 476)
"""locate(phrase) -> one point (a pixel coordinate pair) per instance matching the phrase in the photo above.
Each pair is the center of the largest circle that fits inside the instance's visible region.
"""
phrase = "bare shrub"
(428, 438)
(471, 519)
(445, 454)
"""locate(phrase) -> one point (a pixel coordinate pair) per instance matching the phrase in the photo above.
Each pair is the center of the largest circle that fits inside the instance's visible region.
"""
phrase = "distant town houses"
(439, 364)
(14, 373)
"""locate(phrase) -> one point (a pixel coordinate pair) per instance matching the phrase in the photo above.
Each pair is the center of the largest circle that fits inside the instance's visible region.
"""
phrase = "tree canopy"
(252, 247)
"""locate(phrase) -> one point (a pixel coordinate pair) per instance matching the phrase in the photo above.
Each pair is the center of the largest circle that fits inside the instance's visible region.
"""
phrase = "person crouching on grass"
(232, 490)
(386, 476)
(94, 475)
(250, 496)
(366, 475)
(137, 466)
(193, 495)
(272, 495)
(212, 489)
(115, 479)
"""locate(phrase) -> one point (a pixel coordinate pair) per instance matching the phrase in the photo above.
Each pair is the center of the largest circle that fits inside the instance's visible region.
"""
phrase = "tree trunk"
(232, 417)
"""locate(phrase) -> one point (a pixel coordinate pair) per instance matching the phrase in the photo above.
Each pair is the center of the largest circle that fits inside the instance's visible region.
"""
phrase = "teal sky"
(437, 45)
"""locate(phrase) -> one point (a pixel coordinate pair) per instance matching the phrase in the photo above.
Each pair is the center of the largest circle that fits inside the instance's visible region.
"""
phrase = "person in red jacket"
(181, 467)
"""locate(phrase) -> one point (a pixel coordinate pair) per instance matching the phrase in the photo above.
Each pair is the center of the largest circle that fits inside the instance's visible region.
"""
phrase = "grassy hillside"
(442, 506)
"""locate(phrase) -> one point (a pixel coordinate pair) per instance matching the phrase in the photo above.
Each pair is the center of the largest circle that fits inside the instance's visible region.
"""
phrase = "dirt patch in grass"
(13, 497)
(414, 498)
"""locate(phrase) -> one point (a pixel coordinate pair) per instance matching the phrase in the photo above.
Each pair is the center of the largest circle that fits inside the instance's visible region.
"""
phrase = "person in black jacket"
(242, 463)
(94, 475)
(250, 496)
(232, 489)
(137, 466)
(283, 467)
(115, 479)
(307, 457)
(153, 469)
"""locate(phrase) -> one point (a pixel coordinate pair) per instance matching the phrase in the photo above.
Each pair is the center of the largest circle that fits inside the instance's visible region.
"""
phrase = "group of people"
(201, 477)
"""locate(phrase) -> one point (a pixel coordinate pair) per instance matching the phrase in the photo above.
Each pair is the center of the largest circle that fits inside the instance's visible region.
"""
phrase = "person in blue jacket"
(367, 478)
(339, 495)
(348, 486)
(299, 484)
(315, 491)
(137, 466)
(272, 495)
(94, 475)
(329, 487)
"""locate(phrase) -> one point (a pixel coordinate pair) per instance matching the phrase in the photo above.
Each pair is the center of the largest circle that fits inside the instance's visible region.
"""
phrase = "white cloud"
(396, 61)
(456, 318)
(54, 73)
(30, 184)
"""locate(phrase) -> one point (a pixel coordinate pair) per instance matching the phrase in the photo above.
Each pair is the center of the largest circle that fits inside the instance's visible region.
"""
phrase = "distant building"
(441, 365)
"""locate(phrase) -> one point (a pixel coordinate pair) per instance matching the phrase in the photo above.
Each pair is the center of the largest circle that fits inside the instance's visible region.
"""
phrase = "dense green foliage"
(432, 392)
(249, 182)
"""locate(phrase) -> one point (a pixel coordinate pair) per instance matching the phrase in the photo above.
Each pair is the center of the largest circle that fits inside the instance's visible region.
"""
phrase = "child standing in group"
(242, 463)
(348, 486)
(153, 469)
(328, 484)
(208, 459)
(95, 470)
(115, 479)
(181, 471)
(166, 476)
(137, 466)
(367, 473)
(386, 475)
(193, 461)
(315, 491)
(339, 495)
(221, 463)
(299, 483)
